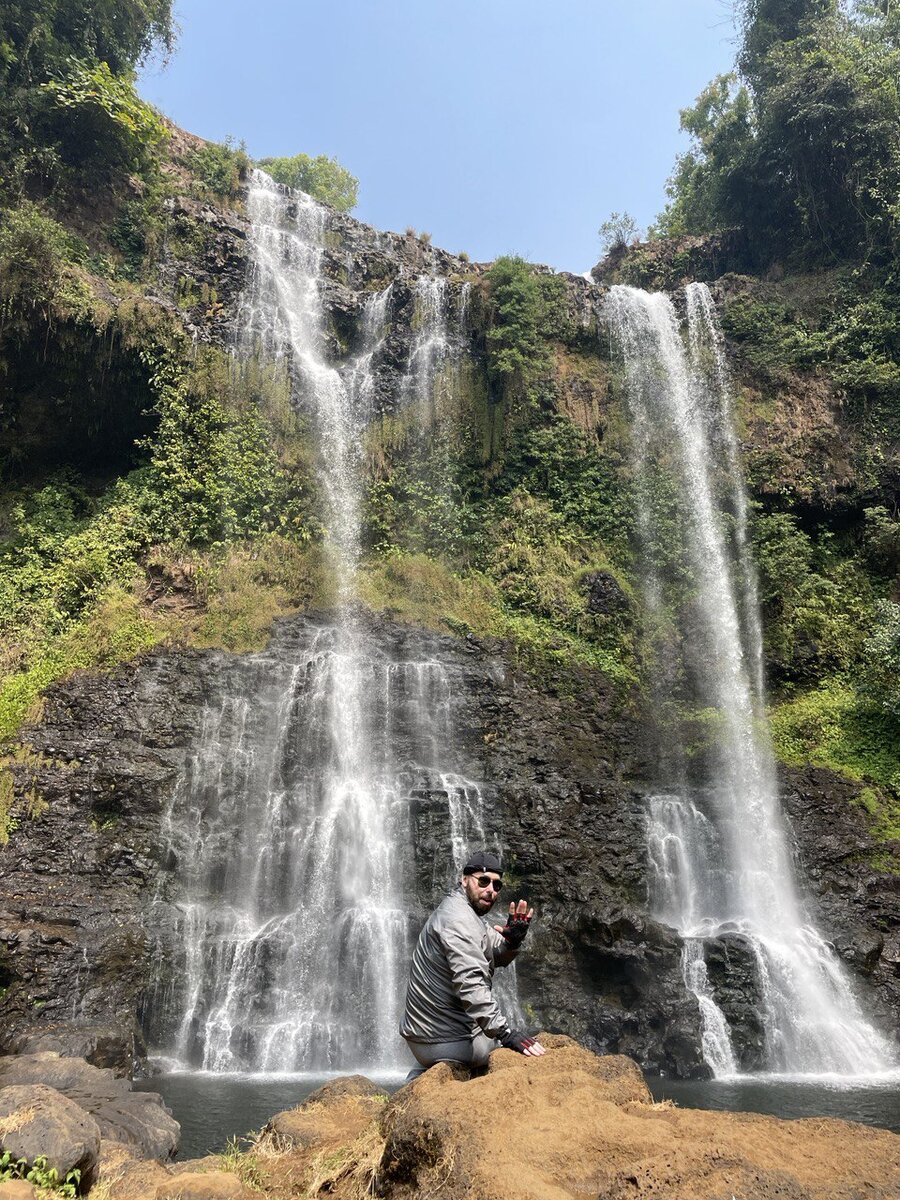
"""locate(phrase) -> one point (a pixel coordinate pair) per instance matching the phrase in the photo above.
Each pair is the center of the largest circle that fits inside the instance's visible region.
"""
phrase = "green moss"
(833, 727)
(423, 591)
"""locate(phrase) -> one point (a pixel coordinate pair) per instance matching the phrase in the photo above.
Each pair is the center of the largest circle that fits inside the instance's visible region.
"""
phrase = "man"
(451, 1015)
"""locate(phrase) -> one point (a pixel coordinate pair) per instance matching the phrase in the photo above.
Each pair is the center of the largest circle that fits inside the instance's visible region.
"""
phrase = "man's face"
(480, 890)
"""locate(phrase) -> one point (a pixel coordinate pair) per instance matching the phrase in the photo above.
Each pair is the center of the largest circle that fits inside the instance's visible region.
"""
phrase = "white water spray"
(718, 849)
(288, 842)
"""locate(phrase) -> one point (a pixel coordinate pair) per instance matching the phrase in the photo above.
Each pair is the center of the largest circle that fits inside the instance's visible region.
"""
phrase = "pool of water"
(874, 1102)
(213, 1108)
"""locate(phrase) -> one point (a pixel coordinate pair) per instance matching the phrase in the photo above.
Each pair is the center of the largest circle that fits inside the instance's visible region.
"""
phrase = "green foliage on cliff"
(220, 168)
(832, 726)
(103, 125)
(803, 155)
(523, 314)
(817, 596)
(216, 471)
(880, 681)
(67, 100)
(321, 177)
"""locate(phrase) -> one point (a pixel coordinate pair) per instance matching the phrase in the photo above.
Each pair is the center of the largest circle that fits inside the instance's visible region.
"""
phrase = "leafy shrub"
(515, 349)
(880, 675)
(106, 120)
(561, 463)
(816, 600)
(221, 167)
(34, 250)
(39, 1174)
(321, 177)
(833, 727)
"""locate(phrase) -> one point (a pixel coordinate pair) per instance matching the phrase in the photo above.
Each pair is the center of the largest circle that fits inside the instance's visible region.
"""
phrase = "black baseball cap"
(482, 860)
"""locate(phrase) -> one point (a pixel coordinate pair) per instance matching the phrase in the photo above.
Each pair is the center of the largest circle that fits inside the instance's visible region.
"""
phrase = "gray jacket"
(448, 997)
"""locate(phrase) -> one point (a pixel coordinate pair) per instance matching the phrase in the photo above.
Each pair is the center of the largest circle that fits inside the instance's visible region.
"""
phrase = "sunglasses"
(484, 881)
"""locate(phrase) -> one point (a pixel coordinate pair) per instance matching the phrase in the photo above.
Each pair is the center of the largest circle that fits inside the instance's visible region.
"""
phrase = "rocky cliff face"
(563, 772)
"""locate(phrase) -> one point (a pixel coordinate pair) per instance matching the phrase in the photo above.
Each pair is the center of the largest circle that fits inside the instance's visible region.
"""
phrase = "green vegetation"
(617, 231)
(220, 168)
(45, 1178)
(800, 151)
(523, 313)
(321, 177)
(222, 469)
(833, 727)
(70, 116)
(834, 648)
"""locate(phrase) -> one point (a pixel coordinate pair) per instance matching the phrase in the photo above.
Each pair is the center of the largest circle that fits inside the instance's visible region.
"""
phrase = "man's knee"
(482, 1048)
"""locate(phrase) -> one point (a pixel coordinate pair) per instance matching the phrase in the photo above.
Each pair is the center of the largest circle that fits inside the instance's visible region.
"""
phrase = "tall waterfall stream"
(720, 861)
(289, 838)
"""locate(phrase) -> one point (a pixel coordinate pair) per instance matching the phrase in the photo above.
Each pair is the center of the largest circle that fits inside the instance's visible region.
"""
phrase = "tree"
(617, 230)
(513, 336)
(805, 156)
(77, 46)
(322, 178)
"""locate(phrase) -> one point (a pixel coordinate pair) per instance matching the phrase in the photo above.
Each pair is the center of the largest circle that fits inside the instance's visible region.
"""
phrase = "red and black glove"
(516, 928)
(516, 1040)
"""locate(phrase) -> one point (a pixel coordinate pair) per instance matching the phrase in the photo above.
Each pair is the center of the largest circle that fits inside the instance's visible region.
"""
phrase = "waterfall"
(718, 849)
(289, 895)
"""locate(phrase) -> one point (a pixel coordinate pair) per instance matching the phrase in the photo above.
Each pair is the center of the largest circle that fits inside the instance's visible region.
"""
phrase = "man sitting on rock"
(451, 1015)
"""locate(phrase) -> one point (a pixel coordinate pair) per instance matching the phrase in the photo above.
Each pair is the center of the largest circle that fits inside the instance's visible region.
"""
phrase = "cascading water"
(718, 849)
(289, 844)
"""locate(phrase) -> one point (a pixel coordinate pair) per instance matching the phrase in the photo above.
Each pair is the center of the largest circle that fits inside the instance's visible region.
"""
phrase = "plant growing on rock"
(617, 231)
(39, 1175)
(321, 177)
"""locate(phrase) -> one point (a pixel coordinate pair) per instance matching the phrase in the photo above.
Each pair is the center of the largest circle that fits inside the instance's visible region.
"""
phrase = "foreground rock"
(334, 1113)
(571, 1124)
(139, 1120)
(39, 1122)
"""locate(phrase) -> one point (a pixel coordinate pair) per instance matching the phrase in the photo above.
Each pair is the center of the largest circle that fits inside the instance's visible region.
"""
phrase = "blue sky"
(500, 126)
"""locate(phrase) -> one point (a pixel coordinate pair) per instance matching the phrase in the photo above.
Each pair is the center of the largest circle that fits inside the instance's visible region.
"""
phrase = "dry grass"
(421, 590)
(351, 1170)
(17, 1120)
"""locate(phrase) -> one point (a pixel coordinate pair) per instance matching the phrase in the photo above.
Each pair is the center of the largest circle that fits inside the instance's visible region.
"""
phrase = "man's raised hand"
(517, 923)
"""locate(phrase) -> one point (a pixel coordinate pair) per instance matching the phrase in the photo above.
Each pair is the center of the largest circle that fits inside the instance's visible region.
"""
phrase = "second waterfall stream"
(720, 862)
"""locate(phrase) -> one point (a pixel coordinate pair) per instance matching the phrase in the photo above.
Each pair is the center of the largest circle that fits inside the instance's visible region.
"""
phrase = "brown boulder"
(215, 1185)
(345, 1085)
(17, 1189)
(334, 1113)
(37, 1121)
(571, 1124)
(139, 1119)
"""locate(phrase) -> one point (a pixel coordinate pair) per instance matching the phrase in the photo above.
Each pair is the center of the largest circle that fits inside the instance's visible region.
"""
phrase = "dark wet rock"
(564, 771)
(733, 973)
(605, 595)
(139, 1120)
(37, 1121)
(854, 902)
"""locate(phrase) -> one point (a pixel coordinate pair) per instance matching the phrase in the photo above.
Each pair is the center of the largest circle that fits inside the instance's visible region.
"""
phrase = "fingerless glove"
(515, 930)
(516, 1040)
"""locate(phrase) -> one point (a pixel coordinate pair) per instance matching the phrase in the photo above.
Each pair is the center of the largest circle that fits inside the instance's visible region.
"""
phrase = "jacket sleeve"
(501, 950)
(467, 973)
